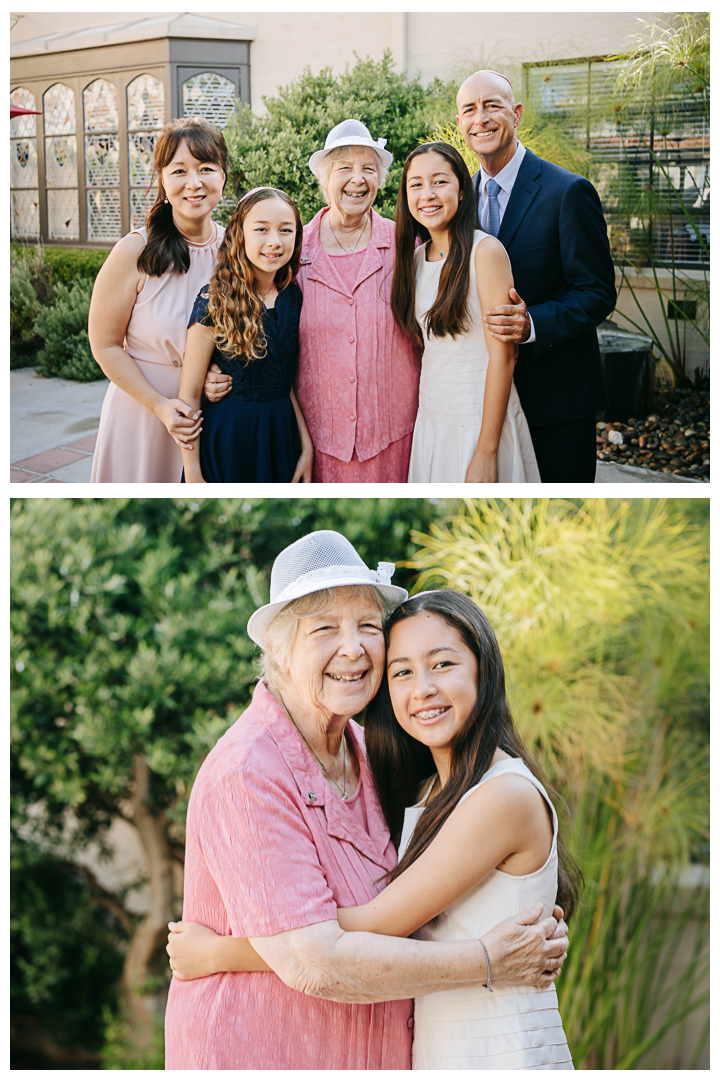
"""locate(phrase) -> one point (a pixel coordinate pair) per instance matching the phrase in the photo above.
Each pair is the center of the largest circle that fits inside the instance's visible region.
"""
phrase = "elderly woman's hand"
(216, 385)
(521, 949)
(193, 950)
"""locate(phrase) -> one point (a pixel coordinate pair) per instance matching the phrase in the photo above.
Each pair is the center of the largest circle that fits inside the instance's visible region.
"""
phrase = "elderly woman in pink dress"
(358, 375)
(284, 827)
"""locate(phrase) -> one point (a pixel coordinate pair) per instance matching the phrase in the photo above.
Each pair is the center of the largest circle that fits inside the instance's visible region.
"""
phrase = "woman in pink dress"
(284, 827)
(141, 305)
(358, 375)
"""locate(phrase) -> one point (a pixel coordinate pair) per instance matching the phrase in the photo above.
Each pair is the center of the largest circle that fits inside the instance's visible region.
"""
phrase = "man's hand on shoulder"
(509, 322)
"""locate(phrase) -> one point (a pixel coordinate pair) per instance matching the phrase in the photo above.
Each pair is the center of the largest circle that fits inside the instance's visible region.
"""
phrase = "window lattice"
(24, 197)
(61, 162)
(146, 116)
(23, 126)
(63, 216)
(61, 176)
(25, 214)
(102, 160)
(59, 109)
(209, 95)
(103, 215)
(626, 149)
(100, 106)
(145, 103)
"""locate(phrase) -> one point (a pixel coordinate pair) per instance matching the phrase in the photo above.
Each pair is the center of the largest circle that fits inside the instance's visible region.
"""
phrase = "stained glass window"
(146, 117)
(102, 161)
(24, 198)
(209, 95)
(61, 177)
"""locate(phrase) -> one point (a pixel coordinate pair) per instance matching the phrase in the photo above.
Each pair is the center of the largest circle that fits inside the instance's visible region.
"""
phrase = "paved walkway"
(54, 422)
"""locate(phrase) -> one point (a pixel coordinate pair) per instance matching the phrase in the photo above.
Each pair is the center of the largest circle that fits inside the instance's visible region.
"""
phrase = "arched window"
(102, 160)
(24, 198)
(61, 178)
(146, 118)
(211, 96)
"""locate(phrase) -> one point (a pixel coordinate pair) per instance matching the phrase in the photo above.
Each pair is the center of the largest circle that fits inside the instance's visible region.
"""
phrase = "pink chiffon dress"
(133, 446)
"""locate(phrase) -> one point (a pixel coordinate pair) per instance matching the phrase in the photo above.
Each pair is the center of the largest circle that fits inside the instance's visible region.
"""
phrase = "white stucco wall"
(446, 44)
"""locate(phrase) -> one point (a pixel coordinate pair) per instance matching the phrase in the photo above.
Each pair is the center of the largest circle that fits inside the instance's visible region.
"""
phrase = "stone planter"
(628, 365)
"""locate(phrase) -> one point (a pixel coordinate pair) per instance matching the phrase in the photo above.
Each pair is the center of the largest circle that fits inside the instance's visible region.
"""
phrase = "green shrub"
(63, 327)
(69, 264)
(29, 289)
(274, 148)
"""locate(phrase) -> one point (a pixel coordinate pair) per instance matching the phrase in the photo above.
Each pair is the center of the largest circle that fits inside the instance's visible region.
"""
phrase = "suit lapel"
(525, 191)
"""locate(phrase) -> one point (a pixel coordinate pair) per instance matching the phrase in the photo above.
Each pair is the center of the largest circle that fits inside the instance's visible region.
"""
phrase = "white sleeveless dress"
(452, 387)
(512, 1027)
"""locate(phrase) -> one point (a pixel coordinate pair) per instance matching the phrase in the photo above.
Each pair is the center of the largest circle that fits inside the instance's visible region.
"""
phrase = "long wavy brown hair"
(166, 248)
(400, 763)
(449, 314)
(235, 306)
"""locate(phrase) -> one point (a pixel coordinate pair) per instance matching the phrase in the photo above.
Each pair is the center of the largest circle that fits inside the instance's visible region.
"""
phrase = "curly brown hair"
(234, 305)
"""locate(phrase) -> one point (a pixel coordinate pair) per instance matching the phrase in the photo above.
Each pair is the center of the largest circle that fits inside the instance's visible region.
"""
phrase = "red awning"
(23, 112)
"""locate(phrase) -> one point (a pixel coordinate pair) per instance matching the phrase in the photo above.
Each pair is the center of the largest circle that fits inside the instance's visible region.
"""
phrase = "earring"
(166, 199)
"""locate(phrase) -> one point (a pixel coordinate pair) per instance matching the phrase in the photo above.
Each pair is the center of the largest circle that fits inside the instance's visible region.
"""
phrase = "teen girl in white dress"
(470, 425)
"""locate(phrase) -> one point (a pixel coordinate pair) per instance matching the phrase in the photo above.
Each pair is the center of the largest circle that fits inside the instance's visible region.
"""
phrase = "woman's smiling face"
(337, 659)
(433, 680)
(352, 183)
(433, 191)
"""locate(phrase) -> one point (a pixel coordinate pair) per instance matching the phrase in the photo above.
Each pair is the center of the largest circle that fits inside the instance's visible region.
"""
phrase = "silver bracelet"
(487, 961)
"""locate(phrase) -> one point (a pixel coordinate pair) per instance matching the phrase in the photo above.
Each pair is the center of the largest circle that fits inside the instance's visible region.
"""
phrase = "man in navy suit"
(552, 226)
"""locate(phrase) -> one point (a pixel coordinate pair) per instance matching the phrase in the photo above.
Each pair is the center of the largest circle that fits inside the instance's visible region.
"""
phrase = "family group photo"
(359, 784)
(481, 265)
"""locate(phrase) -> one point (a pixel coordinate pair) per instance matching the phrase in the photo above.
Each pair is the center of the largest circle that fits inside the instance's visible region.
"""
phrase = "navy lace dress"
(252, 436)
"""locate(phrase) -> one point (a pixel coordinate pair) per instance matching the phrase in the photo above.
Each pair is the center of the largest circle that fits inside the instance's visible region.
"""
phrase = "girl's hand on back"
(192, 951)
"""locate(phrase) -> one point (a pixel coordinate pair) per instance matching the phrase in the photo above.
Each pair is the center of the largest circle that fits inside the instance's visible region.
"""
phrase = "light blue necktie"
(492, 190)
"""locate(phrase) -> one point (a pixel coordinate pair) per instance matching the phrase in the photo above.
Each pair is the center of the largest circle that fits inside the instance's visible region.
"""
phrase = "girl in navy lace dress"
(246, 321)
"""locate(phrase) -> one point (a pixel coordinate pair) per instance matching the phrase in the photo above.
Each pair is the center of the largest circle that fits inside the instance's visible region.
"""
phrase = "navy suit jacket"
(555, 235)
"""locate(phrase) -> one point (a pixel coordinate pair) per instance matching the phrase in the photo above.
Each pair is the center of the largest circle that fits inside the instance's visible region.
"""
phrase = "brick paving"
(68, 463)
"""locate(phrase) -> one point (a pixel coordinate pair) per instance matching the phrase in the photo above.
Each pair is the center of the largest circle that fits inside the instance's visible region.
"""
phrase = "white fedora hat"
(320, 560)
(350, 133)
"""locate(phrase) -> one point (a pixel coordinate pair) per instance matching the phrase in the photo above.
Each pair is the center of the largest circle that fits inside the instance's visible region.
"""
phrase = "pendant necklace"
(343, 792)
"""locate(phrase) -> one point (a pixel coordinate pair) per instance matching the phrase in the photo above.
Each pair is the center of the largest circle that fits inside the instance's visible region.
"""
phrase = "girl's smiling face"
(269, 234)
(433, 681)
(433, 191)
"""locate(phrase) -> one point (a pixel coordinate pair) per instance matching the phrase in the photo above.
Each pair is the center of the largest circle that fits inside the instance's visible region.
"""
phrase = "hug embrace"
(377, 897)
(456, 344)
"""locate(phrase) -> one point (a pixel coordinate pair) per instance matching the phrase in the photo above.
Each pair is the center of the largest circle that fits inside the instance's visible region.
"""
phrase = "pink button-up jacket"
(358, 375)
(271, 847)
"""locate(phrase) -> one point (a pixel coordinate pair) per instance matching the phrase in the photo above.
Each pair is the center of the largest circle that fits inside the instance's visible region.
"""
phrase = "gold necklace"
(343, 793)
(353, 250)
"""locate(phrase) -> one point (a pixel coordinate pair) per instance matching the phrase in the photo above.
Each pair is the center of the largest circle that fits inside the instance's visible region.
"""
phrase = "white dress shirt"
(505, 179)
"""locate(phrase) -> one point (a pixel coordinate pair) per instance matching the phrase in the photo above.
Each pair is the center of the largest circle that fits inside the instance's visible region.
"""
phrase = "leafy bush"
(30, 288)
(69, 264)
(65, 950)
(63, 327)
(274, 148)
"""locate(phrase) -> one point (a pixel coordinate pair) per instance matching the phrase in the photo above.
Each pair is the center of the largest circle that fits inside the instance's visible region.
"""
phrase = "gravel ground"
(674, 438)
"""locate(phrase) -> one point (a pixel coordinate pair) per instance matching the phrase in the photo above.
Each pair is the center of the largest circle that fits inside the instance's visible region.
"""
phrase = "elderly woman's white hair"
(347, 138)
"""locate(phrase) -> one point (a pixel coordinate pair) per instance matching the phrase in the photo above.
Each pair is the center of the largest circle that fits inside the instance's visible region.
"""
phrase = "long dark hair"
(235, 306)
(166, 249)
(449, 313)
(400, 764)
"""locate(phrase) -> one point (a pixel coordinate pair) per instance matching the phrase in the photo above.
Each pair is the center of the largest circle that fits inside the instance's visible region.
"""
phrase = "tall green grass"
(601, 610)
